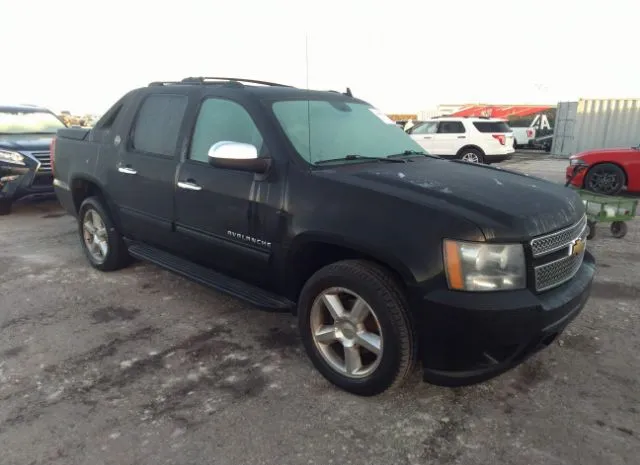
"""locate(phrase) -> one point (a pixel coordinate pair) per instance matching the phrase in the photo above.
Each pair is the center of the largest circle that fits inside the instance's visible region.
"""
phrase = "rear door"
(142, 180)
(450, 138)
(424, 134)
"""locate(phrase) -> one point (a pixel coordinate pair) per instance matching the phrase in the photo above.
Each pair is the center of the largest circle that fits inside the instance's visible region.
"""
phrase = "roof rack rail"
(162, 83)
(205, 79)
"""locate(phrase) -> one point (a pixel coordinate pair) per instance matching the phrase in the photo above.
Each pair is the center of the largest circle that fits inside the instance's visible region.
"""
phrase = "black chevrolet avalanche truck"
(314, 202)
(26, 132)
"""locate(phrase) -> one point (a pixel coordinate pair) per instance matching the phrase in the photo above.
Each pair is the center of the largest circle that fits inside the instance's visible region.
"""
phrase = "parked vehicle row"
(315, 203)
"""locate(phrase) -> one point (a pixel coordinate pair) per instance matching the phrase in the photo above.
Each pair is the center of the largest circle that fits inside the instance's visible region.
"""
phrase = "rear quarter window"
(492, 126)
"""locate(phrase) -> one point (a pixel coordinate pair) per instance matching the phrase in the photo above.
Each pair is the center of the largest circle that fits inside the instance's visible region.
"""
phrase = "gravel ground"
(143, 367)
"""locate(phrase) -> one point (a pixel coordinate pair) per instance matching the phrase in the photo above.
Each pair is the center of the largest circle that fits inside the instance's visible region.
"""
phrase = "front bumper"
(467, 338)
(575, 174)
(17, 182)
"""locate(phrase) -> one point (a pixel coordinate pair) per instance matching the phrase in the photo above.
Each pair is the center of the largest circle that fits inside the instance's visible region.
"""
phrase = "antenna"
(306, 59)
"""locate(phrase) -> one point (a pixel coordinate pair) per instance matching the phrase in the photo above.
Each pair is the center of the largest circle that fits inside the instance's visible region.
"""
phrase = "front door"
(424, 134)
(217, 209)
(450, 138)
(143, 181)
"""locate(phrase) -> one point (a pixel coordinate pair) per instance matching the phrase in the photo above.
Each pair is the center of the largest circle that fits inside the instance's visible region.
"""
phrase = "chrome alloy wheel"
(346, 332)
(471, 157)
(94, 234)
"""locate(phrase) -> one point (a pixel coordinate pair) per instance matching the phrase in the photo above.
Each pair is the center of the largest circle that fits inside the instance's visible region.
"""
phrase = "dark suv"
(25, 163)
(315, 202)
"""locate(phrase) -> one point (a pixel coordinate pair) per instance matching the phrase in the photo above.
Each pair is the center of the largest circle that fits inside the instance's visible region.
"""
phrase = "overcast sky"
(400, 56)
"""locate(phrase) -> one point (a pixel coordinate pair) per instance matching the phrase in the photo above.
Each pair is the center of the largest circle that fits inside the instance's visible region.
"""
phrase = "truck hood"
(504, 204)
(25, 142)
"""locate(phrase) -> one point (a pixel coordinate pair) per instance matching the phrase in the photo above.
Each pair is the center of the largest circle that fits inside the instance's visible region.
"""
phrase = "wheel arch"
(470, 146)
(84, 186)
(312, 251)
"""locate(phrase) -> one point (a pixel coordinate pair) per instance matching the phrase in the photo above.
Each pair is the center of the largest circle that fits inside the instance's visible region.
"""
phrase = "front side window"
(222, 120)
(157, 125)
(425, 128)
(29, 122)
(322, 130)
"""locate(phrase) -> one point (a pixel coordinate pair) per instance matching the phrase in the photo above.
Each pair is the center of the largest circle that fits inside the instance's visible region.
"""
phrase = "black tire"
(117, 256)
(5, 207)
(382, 292)
(591, 231)
(605, 178)
(464, 153)
(619, 229)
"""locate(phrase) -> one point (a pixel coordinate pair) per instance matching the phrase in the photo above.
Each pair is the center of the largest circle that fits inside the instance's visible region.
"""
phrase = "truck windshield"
(29, 122)
(338, 131)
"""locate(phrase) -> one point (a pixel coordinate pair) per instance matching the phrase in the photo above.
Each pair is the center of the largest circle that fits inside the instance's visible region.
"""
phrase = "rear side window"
(492, 126)
(451, 127)
(222, 120)
(158, 124)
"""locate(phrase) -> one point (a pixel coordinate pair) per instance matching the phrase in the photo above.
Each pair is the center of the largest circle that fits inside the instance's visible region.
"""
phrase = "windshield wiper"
(360, 157)
(410, 152)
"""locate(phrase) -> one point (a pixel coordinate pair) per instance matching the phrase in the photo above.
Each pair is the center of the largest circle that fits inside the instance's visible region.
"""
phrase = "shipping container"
(596, 124)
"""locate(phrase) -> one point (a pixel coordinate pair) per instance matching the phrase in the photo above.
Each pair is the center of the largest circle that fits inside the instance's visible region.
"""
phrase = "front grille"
(557, 272)
(553, 273)
(550, 243)
(45, 160)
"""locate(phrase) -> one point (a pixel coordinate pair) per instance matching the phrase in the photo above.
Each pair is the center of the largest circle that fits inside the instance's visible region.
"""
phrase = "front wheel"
(356, 327)
(605, 178)
(591, 229)
(101, 242)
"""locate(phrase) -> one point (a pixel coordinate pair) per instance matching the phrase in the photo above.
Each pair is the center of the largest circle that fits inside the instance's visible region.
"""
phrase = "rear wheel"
(356, 327)
(605, 178)
(471, 155)
(101, 242)
(619, 229)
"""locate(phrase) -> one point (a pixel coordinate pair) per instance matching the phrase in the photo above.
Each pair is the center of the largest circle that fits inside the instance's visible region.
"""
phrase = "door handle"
(126, 170)
(191, 186)
(427, 137)
(462, 137)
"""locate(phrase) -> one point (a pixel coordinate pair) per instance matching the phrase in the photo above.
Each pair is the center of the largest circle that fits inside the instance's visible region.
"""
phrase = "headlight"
(576, 162)
(11, 157)
(477, 266)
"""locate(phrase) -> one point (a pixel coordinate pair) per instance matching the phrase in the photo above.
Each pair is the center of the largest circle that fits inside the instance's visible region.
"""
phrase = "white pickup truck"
(522, 137)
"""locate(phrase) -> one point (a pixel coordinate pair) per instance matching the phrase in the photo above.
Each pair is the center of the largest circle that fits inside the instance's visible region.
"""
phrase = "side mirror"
(237, 156)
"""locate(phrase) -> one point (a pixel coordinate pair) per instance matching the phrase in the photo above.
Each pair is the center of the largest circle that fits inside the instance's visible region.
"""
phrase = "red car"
(606, 171)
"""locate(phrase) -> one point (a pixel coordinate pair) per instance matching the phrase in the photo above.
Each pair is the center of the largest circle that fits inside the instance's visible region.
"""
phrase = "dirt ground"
(143, 367)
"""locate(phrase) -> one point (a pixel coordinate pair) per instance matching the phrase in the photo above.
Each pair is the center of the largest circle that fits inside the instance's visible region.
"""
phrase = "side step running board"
(218, 281)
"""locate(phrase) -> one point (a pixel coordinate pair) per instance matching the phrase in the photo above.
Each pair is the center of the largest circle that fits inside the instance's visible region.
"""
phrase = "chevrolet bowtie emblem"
(577, 247)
